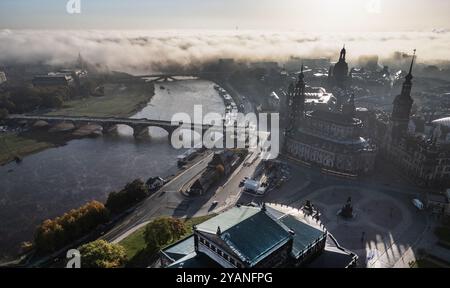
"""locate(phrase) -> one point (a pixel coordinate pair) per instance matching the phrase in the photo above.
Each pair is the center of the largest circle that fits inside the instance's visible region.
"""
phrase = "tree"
(55, 234)
(52, 100)
(25, 99)
(133, 193)
(5, 102)
(101, 254)
(162, 231)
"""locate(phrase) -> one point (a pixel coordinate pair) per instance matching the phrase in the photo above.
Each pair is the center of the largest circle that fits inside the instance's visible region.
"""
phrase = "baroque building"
(422, 157)
(329, 139)
(270, 236)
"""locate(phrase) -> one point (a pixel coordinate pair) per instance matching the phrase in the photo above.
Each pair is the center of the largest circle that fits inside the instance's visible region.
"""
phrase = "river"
(56, 180)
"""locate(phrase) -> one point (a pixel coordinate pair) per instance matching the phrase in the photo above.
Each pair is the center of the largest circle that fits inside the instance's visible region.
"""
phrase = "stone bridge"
(164, 77)
(109, 124)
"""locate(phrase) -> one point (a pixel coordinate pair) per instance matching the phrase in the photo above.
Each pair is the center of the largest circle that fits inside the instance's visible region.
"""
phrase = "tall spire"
(80, 61)
(409, 77)
(403, 104)
(301, 80)
(343, 52)
(299, 97)
(301, 76)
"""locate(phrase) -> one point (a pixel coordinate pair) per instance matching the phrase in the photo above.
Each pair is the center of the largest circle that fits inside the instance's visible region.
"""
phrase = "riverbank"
(13, 145)
(54, 181)
(120, 100)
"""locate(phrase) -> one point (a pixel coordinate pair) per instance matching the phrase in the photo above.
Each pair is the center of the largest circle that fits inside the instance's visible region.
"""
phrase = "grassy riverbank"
(120, 100)
(12, 145)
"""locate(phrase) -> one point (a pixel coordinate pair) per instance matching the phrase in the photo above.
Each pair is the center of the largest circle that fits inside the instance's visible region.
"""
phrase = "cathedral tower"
(402, 105)
(296, 95)
(340, 71)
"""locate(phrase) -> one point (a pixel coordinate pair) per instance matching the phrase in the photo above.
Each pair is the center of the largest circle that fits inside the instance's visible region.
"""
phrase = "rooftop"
(304, 233)
(334, 117)
(252, 231)
(241, 231)
(334, 256)
(181, 248)
(227, 219)
(194, 260)
(342, 146)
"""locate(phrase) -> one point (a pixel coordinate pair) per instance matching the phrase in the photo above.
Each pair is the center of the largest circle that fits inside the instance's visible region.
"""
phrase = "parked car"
(418, 204)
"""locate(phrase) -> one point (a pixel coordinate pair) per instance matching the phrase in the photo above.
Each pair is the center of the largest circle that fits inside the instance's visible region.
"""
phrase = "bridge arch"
(143, 130)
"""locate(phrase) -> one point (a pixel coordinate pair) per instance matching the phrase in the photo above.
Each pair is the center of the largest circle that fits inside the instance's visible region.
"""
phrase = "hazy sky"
(304, 15)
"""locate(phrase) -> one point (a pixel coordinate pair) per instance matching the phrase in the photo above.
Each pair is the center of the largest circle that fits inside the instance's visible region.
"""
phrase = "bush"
(101, 254)
(132, 194)
(54, 234)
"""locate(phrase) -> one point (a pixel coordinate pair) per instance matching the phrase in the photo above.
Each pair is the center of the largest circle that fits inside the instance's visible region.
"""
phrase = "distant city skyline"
(287, 15)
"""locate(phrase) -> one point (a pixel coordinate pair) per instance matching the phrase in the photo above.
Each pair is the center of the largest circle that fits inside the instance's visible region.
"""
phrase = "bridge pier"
(140, 131)
(170, 133)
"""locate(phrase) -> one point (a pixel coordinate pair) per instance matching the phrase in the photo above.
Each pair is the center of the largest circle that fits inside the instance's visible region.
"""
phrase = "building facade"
(329, 139)
(269, 236)
(423, 158)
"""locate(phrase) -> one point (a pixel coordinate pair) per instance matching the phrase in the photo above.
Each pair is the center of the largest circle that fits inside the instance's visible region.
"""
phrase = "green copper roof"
(181, 248)
(254, 237)
(228, 219)
(248, 231)
(304, 234)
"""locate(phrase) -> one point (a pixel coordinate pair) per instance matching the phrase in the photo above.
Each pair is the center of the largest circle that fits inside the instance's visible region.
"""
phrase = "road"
(168, 194)
(170, 202)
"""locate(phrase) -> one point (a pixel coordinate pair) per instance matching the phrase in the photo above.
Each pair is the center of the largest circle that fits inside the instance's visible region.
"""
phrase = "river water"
(56, 180)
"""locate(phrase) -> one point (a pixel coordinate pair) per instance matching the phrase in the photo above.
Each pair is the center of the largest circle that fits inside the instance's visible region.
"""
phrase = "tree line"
(27, 98)
(53, 234)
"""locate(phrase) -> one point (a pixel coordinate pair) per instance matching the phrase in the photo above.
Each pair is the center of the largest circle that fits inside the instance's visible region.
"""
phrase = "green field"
(120, 100)
(12, 145)
(134, 244)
